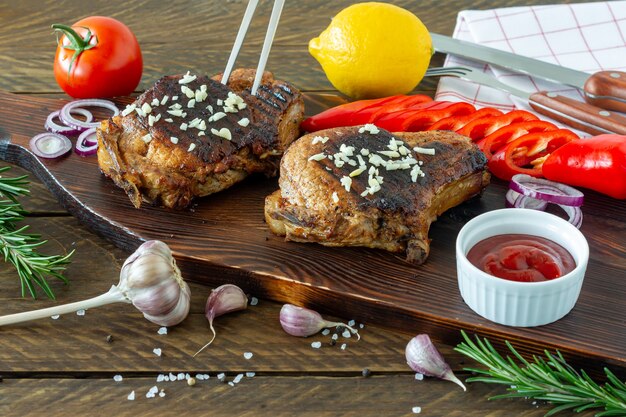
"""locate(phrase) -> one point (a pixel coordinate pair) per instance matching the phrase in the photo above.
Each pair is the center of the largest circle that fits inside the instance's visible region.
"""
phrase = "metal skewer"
(241, 35)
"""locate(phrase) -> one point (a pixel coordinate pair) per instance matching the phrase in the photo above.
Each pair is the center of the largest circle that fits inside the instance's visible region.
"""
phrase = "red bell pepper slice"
(424, 119)
(493, 142)
(597, 163)
(485, 126)
(526, 154)
(358, 112)
(410, 103)
(395, 121)
(455, 123)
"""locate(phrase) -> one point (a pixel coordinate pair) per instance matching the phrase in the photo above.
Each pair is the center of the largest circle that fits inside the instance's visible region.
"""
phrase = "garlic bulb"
(149, 279)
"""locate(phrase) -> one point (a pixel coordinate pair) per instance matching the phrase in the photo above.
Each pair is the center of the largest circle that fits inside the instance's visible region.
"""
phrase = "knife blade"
(605, 89)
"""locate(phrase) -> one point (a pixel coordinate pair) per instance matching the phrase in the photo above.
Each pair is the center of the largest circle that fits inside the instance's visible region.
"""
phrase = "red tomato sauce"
(522, 258)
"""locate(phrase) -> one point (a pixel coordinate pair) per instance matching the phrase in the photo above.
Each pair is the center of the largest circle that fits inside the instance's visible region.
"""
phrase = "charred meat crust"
(397, 217)
(198, 162)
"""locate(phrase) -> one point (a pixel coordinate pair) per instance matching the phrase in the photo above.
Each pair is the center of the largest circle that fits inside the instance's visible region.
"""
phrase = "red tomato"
(97, 57)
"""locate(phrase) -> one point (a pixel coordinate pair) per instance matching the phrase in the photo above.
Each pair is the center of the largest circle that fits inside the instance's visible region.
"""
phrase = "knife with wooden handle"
(605, 89)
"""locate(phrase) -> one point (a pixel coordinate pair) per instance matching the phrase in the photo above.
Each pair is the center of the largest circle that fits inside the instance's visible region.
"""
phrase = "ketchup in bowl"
(523, 258)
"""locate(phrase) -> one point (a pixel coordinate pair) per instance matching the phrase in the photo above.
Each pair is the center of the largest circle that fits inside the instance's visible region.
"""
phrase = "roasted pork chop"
(190, 136)
(361, 186)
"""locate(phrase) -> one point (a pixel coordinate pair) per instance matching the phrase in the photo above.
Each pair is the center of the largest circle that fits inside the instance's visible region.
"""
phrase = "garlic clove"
(303, 322)
(422, 356)
(178, 313)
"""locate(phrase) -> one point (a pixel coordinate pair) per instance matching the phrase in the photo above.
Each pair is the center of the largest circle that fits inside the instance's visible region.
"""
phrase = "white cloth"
(588, 37)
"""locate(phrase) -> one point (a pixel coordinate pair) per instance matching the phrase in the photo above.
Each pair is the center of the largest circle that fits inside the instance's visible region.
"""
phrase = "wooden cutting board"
(223, 238)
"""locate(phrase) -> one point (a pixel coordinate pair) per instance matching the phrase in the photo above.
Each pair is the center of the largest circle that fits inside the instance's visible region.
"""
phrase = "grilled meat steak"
(190, 136)
(363, 186)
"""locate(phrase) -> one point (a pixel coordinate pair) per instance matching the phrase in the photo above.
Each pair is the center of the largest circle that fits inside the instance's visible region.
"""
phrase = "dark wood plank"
(373, 286)
(392, 395)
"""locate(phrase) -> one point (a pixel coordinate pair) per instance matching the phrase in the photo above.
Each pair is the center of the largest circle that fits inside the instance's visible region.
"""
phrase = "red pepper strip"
(492, 143)
(485, 126)
(597, 163)
(528, 150)
(394, 121)
(423, 120)
(409, 103)
(455, 123)
(355, 113)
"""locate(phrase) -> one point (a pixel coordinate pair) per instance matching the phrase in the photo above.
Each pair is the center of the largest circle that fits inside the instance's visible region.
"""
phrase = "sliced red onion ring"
(512, 198)
(51, 126)
(550, 191)
(66, 112)
(50, 145)
(86, 143)
(523, 201)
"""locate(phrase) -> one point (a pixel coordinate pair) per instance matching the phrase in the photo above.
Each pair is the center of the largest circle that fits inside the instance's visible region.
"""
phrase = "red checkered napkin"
(588, 37)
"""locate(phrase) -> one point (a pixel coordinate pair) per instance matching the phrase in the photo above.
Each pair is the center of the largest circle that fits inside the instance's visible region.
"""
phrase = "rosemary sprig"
(19, 247)
(552, 379)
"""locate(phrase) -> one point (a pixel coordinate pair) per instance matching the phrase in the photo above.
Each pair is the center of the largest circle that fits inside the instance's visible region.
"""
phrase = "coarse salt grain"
(361, 326)
(232, 384)
(221, 376)
(131, 396)
(254, 301)
(160, 378)
(346, 334)
(238, 378)
(172, 377)
(335, 336)
(162, 330)
(248, 355)
(326, 332)
(166, 378)
(419, 376)
(55, 317)
(118, 378)
(250, 374)
(351, 323)
(416, 410)
(157, 351)
(162, 393)
(316, 345)
(344, 346)
(80, 313)
(180, 376)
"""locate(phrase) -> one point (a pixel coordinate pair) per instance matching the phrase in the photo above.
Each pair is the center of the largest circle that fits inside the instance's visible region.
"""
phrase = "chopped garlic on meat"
(129, 109)
(425, 151)
(217, 116)
(370, 128)
(146, 108)
(191, 104)
(183, 126)
(169, 120)
(244, 122)
(140, 112)
(155, 102)
(319, 139)
(151, 120)
(210, 108)
(177, 113)
(317, 157)
(147, 138)
(174, 140)
(223, 133)
(187, 78)
(335, 197)
(358, 171)
(192, 146)
(346, 182)
(164, 100)
(188, 92)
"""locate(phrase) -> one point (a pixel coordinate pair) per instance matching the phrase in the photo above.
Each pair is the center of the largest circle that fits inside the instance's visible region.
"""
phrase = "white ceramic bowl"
(520, 303)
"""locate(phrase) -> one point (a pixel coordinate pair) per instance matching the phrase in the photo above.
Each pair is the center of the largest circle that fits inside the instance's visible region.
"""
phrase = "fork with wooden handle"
(577, 114)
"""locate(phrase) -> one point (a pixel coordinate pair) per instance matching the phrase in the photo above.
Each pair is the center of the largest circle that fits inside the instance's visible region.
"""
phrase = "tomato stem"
(78, 44)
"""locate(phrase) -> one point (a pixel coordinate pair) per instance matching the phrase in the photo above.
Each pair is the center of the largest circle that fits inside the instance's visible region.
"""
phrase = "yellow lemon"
(373, 50)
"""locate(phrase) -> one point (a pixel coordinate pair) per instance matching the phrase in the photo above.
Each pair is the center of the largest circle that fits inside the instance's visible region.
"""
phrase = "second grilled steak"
(368, 187)
(190, 136)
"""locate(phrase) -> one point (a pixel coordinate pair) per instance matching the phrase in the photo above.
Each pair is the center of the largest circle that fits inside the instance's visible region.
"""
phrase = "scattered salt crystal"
(326, 332)
(187, 376)
(180, 376)
(166, 378)
(157, 351)
(238, 378)
(117, 378)
(131, 396)
(154, 390)
(248, 355)
(80, 313)
(221, 376)
(351, 323)
(346, 333)
(55, 317)
(206, 376)
(162, 330)
(316, 345)
(160, 378)
(232, 384)
(250, 374)
(335, 336)
(361, 326)
(254, 301)
(344, 346)
(419, 376)
(199, 377)
(416, 410)
(162, 394)
(172, 377)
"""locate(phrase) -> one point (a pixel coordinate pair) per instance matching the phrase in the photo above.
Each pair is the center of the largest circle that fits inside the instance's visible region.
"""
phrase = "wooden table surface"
(66, 367)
